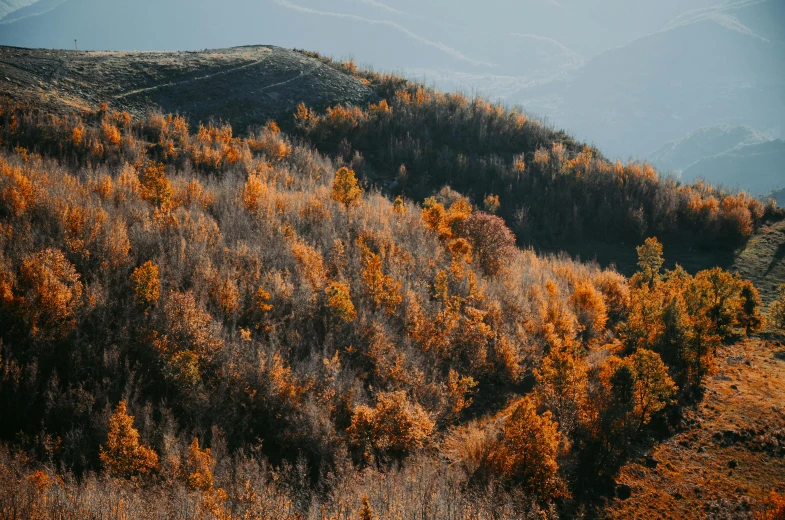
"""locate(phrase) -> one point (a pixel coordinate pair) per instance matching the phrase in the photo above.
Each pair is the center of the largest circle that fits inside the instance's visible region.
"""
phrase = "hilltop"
(244, 85)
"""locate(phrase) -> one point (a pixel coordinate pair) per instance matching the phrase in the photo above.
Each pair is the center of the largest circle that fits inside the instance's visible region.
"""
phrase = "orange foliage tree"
(345, 188)
(146, 284)
(123, 455)
(528, 449)
(51, 293)
(339, 302)
(773, 507)
(383, 289)
(156, 187)
(395, 425)
(491, 240)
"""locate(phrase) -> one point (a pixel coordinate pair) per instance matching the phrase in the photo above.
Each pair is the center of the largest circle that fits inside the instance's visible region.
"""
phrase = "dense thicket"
(162, 290)
(552, 190)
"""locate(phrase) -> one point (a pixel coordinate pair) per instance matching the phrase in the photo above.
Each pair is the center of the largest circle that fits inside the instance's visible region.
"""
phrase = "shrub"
(395, 425)
(493, 243)
(777, 309)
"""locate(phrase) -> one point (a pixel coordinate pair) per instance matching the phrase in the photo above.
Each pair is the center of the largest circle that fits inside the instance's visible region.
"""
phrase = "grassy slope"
(695, 477)
(762, 260)
(242, 85)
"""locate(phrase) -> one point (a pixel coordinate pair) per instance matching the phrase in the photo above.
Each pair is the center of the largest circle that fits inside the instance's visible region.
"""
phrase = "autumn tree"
(199, 478)
(339, 302)
(199, 467)
(608, 420)
(492, 242)
(684, 318)
(382, 288)
(653, 386)
(51, 293)
(123, 456)
(561, 386)
(186, 339)
(491, 204)
(749, 315)
(366, 511)
(718, 294)
(345, 188)
(773, 507)
(394, 425)
(590, 310)
(528, 449)
(399, 206)
(146, 283)
(650, 262)
(156, 188)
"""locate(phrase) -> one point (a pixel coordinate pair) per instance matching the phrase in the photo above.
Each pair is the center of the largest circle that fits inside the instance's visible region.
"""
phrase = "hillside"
(729, 457)
(763, 259)
(534, 40)
(298, 318)
(555, 193)
(244, 85)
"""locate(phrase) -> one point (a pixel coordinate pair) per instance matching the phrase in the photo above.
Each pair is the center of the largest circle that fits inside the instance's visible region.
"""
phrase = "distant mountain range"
(720, 66)
(734, 156)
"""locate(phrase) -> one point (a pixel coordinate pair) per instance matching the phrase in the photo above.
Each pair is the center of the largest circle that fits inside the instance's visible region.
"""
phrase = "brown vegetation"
(247, 295)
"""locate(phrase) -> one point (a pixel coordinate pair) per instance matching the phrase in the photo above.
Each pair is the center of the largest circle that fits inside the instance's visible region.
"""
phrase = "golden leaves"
(340, 303)
(51, 293)
(345, 188)
(146, 283)
(393, 425)
(123, 456)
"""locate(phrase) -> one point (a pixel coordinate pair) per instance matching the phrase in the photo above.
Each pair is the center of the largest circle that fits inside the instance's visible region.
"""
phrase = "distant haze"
(626, 75)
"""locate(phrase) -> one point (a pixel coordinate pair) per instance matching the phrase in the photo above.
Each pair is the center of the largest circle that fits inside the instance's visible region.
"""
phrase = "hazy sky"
(516, 37)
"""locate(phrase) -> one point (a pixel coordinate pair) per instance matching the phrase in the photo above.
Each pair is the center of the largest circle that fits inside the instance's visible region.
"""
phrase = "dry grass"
(763, 260)
(729, 458)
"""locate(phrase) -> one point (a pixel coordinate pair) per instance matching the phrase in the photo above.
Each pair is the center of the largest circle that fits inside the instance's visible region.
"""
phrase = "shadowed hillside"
(244, 85)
